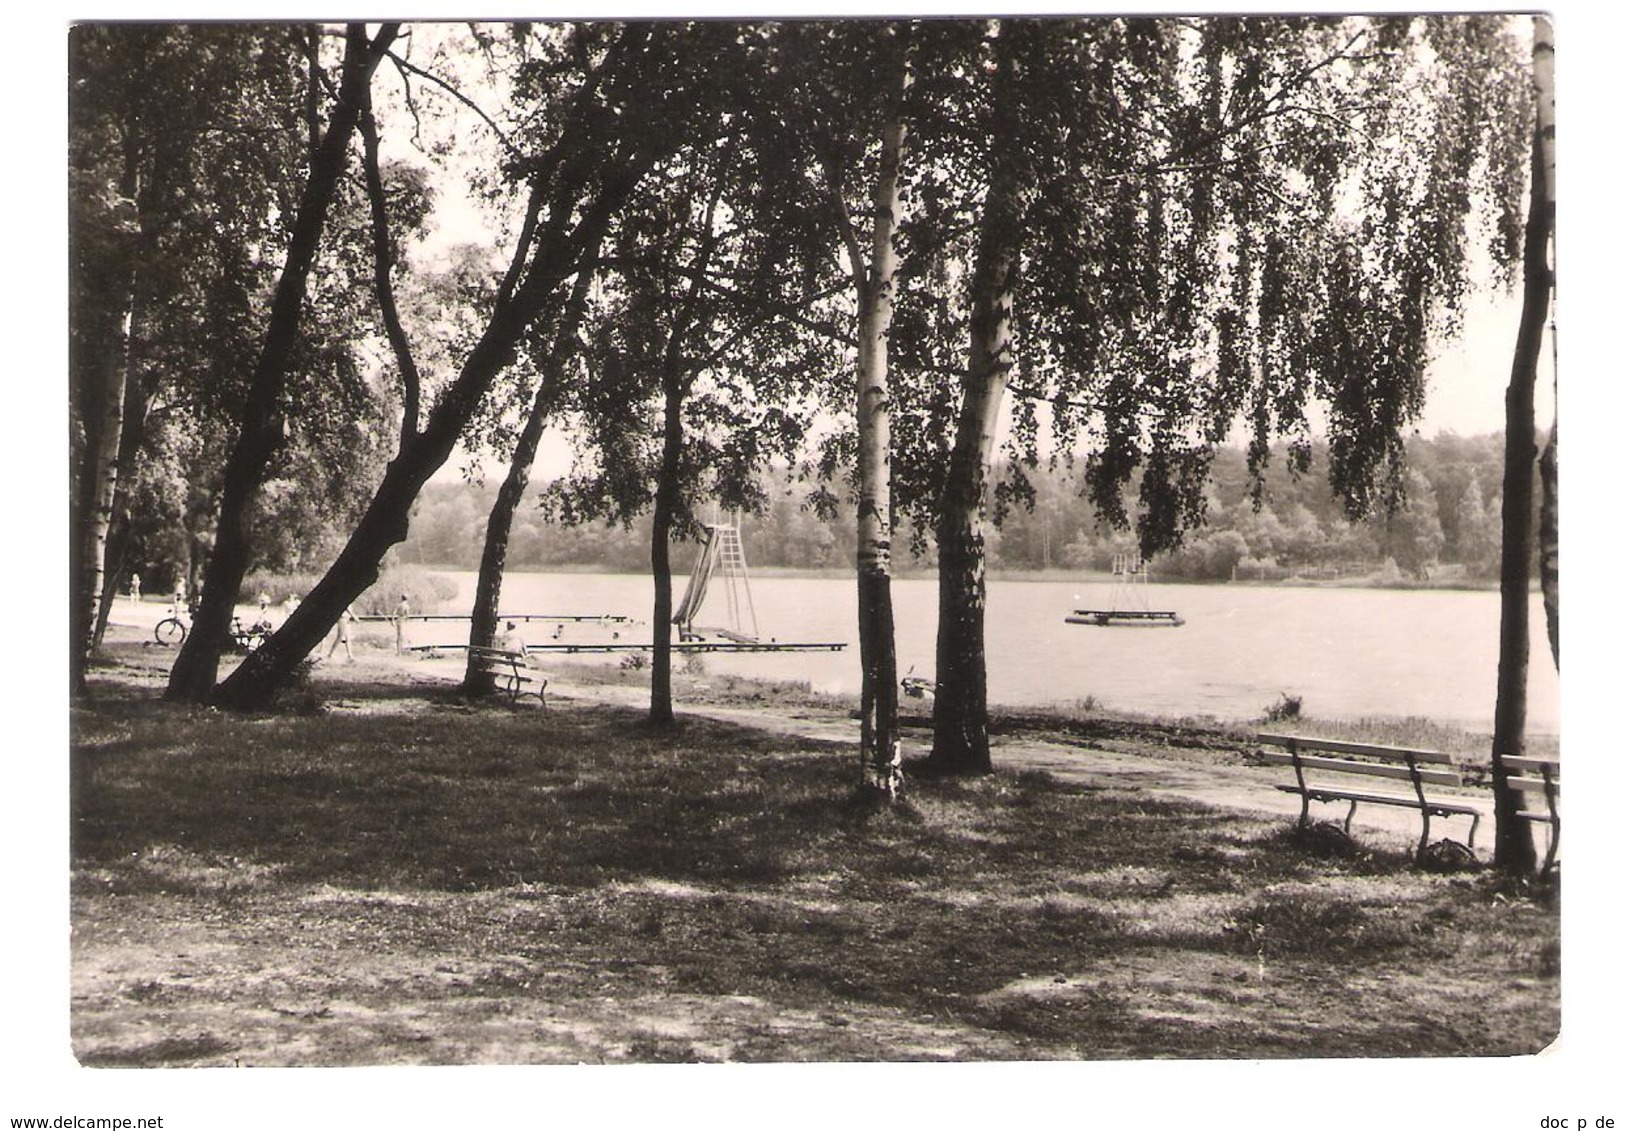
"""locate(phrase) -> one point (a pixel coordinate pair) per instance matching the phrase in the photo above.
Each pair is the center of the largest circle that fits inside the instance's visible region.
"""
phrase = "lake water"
(1349, 653)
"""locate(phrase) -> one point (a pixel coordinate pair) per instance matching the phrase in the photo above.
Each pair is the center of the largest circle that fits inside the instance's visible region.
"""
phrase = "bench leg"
(1348, 819)
(1473, 832)
(541, 693)
(1422, 846)
(1551, 849)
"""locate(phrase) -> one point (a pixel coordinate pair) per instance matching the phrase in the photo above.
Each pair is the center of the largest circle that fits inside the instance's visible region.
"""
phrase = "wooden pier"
(583, 618)
(676, 646)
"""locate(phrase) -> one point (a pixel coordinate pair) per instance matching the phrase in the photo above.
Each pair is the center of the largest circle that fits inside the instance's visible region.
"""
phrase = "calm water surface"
(1349, 652)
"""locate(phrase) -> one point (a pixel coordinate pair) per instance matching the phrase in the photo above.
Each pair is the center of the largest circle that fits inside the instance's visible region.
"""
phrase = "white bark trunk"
(104, 477)
(1546, 134)
(881, 750)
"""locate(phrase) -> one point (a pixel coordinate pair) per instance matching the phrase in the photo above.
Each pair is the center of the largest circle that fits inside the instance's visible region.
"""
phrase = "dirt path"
(1231, 787)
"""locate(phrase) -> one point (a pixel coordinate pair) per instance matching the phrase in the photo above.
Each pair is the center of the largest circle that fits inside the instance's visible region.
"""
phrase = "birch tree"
(698, 358)
(847, 106)
(1514, 840)
(1210, 222)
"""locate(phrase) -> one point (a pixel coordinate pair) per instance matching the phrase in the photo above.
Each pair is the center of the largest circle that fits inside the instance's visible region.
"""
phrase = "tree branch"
(406, 68)
(383, 260)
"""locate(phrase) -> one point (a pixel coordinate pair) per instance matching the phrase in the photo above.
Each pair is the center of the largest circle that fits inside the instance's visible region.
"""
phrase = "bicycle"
(172, 629)
(246, 639)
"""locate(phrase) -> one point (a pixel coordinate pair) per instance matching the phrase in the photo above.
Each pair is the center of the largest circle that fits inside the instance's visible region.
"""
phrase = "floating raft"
(1129, 600)
(1105, 618)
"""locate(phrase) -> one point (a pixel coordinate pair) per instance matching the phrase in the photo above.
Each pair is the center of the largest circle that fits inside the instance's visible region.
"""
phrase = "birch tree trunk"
(1548, 539)
(880, 751)
(959, 739)
(99, 484)
(1514, 840)
(1546, 123)
(137, 401)
(959, 732)
(100, 470)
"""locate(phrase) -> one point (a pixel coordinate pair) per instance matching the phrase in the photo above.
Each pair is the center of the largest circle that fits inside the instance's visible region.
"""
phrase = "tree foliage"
(1128, 243)
(186, 145)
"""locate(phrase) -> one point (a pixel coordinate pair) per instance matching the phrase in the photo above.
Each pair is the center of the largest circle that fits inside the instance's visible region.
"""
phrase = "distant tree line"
(1446, 530)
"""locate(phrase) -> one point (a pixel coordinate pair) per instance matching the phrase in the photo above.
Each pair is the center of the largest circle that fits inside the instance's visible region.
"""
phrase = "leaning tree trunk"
(198, 665)
(1514, 840)
(268, 668)
(479, 680)
(880, 749)
(664, 517)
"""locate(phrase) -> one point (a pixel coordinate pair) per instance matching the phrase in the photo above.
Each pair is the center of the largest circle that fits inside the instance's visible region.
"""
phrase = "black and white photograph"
(932, 565)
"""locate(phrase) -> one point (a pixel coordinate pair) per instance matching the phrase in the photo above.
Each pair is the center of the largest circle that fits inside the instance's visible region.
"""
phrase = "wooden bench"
(512, 668)
(1343, 762)
(1536, 782)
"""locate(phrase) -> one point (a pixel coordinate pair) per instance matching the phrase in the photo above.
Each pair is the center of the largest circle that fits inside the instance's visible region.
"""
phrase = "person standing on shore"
(135, 587)
(341, 635)
(402, 611)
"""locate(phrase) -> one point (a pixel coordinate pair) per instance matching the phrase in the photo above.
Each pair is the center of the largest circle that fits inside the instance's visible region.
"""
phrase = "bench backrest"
(1303, 752)
(1526, 774)
(481, 652)
(1525, 764)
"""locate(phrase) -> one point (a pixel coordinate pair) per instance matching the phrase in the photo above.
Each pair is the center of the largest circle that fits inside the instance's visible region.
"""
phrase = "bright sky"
(1468, 379)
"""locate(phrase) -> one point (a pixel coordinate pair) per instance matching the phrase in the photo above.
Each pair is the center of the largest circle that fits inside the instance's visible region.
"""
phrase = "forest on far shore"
(1447, 533)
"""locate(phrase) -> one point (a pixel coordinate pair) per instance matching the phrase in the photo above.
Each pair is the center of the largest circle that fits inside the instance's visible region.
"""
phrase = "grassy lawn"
(401, 878)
